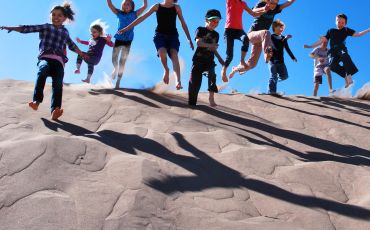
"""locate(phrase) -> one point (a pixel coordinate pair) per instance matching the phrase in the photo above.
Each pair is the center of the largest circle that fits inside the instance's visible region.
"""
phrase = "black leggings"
(229, 36)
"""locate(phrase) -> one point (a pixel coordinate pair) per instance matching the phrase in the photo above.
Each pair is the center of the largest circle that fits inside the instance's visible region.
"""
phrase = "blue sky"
(305, 20)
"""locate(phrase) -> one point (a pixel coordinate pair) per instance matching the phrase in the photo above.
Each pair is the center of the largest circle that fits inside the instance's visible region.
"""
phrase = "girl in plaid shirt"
(54, 38)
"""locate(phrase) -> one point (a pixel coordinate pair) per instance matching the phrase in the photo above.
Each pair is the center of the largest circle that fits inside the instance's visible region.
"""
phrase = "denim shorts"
(166, 41)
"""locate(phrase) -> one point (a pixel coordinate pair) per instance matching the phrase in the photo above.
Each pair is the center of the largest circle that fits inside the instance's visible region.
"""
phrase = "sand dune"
(134, 159)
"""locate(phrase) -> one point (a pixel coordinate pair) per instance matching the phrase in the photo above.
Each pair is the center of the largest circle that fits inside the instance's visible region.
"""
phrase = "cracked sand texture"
(133, 159)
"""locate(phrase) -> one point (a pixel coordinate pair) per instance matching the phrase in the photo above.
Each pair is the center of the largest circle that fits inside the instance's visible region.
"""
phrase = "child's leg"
(256, 38)
(38, 93)
(162, 52)
(212, 87)
(330, 82)
(273, 78)
(194, 83)
(244, 50)
(78, 64)
(283, 72)
(349, 67)
(57, 88)
(90, 71)
(176, 68)
(122, 61)
(115, 53)
(317, 83)
(335, 67)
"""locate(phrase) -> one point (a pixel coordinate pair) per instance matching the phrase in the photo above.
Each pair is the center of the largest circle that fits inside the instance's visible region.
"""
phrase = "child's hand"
(191, 44)
(124, 30)
(5, 28)
(109, 37)
(307, 46)
(295, 60)
(289, 36)
(78, 40)
(213, 47)
(84, 56)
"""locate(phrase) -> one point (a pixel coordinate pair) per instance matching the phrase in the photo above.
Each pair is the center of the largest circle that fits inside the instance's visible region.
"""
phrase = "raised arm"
(112, 7)
(184, 26)
(359, 34)
(140, 19)
(258, 11)
(319, 42)
(142, 8)
(286, 4)
(251, 12)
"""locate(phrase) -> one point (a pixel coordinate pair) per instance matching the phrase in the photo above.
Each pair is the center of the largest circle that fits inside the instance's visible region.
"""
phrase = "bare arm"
(201, 43)
(260, 10)
(359, 34)
(140, 19)
(112, 7)
(219, 58)
(142, 8)
(319, 42)
(249, 11)
(184, 26)
(286, 4)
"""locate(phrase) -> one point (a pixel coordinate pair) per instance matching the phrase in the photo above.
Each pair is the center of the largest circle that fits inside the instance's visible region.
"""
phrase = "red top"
(234, 14)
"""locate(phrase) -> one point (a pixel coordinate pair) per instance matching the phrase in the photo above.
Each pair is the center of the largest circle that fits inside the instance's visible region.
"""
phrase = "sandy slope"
(132, 159)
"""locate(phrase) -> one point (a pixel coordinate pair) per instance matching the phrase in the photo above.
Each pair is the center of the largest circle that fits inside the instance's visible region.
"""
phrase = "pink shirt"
(234, 14)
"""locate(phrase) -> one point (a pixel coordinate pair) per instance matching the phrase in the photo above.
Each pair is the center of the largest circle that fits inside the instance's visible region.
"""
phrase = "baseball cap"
(212, 14)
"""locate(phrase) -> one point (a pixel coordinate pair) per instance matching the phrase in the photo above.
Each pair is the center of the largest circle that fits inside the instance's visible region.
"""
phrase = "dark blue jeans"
(278, 72)
(54, 69)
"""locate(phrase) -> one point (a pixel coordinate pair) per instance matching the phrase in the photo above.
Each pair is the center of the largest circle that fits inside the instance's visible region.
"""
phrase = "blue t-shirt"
(125, 19)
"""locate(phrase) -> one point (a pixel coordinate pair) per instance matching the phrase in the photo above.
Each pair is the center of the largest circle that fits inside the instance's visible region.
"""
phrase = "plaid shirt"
(53, 40)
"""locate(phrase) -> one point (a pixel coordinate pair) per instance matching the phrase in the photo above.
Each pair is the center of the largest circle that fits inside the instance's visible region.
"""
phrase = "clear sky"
(305, 20)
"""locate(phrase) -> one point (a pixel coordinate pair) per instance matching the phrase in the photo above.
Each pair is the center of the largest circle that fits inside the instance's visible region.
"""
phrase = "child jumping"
(338, 52)
(203, 59)
(321, 66)
(122, 44)
(277, 66)
(96, 45)
(53, 40)
(166, 37)
(234, 30)
(259, 34)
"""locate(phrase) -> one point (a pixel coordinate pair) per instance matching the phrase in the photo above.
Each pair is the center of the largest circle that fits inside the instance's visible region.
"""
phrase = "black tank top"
(166, 19)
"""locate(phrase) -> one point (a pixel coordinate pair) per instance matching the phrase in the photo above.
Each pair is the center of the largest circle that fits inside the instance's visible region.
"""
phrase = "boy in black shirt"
(338, 51)
(203, 59)
(277, 66)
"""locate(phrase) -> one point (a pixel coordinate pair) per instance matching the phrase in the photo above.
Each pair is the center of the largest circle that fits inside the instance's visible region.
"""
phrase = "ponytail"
(66, 10)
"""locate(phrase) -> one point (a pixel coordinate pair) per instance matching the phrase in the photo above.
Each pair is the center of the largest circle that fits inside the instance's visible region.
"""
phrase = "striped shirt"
(53, 40)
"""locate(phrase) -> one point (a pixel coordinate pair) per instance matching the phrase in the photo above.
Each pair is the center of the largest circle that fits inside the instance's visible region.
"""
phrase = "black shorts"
(318, 80)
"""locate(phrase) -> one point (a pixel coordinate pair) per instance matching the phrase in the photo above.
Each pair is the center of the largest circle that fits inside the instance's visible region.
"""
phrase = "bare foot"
(178, 85)
(56, 113)
(223, 74)
(86, 80)
(166, 76)
(34, 105)
(331, 91)
(233, 71)
(348, 84)
(212, 102)
(77, 71)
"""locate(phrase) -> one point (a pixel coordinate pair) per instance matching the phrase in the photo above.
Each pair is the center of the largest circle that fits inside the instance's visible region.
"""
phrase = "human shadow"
(208, 173)
(119, 93)
(312, 114)
(307, 156)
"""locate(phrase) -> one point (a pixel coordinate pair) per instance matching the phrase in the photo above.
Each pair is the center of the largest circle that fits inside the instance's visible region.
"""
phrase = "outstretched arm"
(184, 26)
(111, 6)
(140, 19)
(250, 11)
(142, 8)
(359, 34)
(286, 4)
(82, 41)
(319, 42)
(10, 29)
